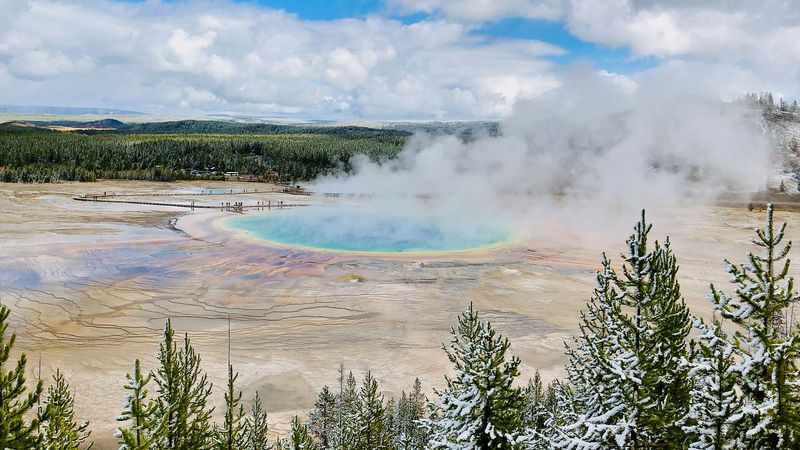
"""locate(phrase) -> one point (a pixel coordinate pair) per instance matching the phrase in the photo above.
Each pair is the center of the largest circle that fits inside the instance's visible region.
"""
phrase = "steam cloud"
(596, 148)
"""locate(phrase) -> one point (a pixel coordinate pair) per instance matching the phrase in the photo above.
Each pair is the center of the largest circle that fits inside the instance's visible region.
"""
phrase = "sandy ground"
(92, 284)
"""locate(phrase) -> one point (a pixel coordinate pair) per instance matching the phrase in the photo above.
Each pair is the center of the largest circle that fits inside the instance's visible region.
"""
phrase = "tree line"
(642, 373)
(772, 108)
(38, 155)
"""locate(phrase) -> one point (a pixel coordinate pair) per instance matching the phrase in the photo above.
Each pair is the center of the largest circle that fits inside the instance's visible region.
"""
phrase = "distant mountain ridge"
(205, 126)
(66, 110)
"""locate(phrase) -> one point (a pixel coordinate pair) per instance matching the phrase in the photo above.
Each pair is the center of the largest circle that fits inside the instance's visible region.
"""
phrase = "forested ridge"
(642, 373)
(187, 150)
(206, 149)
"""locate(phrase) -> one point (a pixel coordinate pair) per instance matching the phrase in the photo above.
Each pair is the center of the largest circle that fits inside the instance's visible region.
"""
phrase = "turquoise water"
(339, 229)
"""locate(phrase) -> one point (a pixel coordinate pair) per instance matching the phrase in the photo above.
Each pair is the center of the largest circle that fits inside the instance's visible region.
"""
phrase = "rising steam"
(596, 146)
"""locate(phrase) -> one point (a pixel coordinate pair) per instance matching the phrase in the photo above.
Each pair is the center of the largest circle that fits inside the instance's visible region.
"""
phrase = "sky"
(381, 59)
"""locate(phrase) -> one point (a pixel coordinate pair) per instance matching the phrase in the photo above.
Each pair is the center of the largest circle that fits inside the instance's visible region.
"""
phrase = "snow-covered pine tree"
(370, 417)
(256, 427)
(558, 403)
(418, 411)
(714, 397)
(630, 385)
(390, 418)
(554, 411)
(535, 415)
(479, 409)
(299, 439)
(182, 413)
(601, 373)
(664, 349)
(394, 417)
(137, 413)
(233, 434)
(346, 429)
(59, 429)
(408, 433)
(322, 418)
(16, 430)
(767, 342)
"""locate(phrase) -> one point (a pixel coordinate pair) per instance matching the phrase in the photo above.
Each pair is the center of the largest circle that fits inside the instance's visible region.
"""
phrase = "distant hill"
(225, 127)
(177, 127)
(198, 126)
(76, 125)
(21, 127)
(209, 127)
(103, 124)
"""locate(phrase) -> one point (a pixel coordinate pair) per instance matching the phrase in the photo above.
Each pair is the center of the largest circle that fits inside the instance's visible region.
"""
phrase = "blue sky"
(326, 9)
(619, 59)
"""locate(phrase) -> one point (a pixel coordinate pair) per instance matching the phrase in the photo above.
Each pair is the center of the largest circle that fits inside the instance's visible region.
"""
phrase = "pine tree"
(601, 373)
(181, 409)
(417, 407)
(479, 408)
(346, 429)
(553, 410)
(257, 427)
(390, 418)
(138, 412)
(558, 403)
(16, 431)
(59, 430)
(665, 352)
(233, 434)
(769, 346)
(322, 419)
(714, 398)
(408, 433)
(300, 438)
(370, 417)
(630, 385)
(535, 415)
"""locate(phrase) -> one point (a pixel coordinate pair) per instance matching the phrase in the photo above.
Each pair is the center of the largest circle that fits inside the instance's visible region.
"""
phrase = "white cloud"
(731, 31)
(234, 57)
(41, 64)
(756, 36)
(756, 40)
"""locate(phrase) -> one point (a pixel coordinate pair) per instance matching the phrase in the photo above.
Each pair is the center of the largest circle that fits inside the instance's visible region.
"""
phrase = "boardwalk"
(201, 193)
(240, 207)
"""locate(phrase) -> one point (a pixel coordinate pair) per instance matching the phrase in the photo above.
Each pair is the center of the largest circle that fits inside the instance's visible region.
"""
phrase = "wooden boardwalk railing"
(223, 206)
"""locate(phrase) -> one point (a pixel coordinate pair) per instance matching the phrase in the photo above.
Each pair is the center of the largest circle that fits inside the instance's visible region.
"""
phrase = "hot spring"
(357, 230)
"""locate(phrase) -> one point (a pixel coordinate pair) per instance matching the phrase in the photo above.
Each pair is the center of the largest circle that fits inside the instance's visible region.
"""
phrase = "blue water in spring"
(351, 229)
